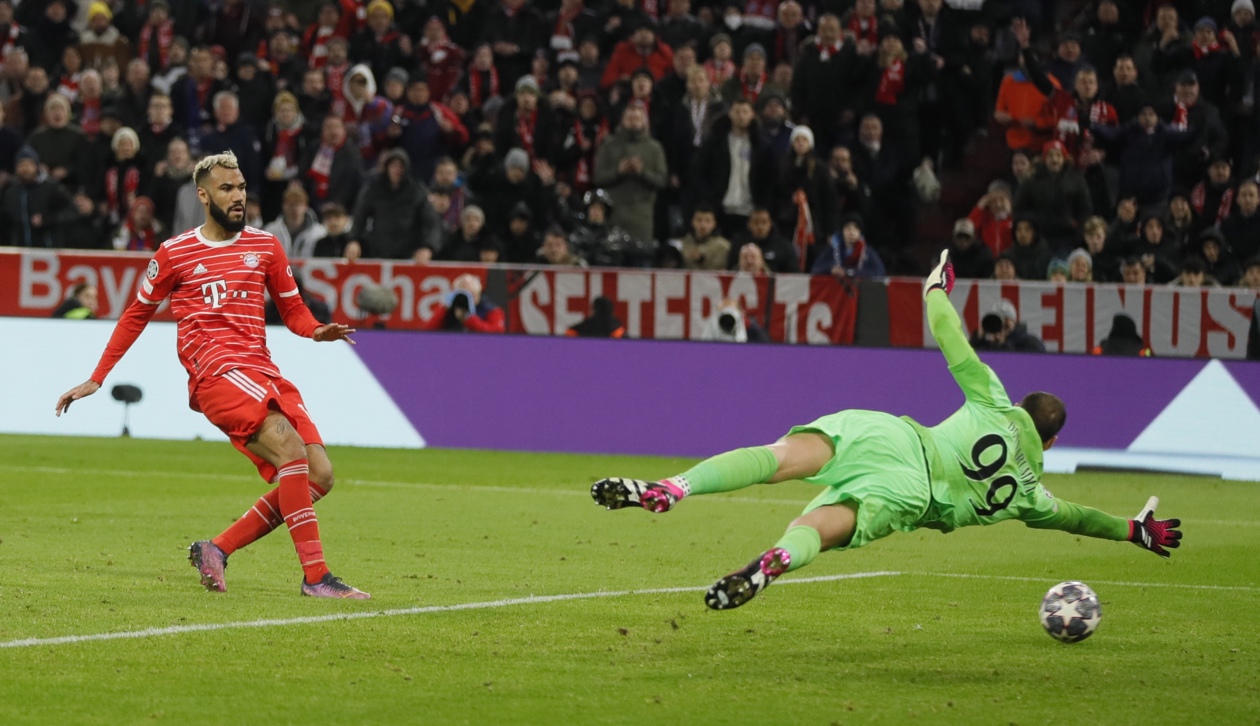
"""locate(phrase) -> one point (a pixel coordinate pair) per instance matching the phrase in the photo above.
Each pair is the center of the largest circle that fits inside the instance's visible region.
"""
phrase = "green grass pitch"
(93, 535)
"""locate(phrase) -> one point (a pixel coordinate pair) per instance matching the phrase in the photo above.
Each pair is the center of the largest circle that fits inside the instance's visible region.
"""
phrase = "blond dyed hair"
(227, 160)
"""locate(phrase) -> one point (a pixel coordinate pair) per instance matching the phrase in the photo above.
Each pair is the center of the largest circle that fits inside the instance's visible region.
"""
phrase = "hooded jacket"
(366, 120)
(393, 222)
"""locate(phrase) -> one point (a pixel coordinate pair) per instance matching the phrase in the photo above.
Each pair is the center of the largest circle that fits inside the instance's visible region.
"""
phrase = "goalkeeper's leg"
(819, 529)
(794, 456)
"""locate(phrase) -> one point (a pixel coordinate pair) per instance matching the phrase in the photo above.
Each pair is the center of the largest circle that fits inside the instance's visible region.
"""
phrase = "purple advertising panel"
(696, 399)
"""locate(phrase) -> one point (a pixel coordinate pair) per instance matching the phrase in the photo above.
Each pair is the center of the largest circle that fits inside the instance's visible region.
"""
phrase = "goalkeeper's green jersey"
(986, 459)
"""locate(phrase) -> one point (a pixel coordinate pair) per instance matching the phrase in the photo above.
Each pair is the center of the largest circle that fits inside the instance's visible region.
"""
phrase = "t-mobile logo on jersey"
(213, 293)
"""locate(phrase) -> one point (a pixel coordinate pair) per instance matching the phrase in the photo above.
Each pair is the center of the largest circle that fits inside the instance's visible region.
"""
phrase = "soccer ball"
(1070, 612)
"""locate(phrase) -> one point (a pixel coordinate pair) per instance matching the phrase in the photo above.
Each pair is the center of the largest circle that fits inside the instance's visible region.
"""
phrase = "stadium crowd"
(755, 135)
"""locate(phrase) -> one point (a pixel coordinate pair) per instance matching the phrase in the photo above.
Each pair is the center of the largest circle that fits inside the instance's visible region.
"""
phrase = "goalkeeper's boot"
(653, 496)
(210, 562)
(743, 585)
(331, 586)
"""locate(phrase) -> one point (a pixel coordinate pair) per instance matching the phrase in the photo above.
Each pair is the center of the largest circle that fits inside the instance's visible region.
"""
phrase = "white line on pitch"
(531, 600)
(1239, 588)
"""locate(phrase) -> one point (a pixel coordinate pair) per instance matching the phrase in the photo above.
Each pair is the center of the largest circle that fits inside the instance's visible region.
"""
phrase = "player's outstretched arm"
(1156, 535)
(977, 381)
(83, 390)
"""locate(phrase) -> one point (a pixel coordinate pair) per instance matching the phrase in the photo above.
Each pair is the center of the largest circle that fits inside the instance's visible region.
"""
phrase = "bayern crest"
(250, 259)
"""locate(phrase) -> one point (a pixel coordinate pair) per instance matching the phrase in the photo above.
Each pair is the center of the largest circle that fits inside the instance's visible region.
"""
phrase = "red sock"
(299, 515)
(258, 522)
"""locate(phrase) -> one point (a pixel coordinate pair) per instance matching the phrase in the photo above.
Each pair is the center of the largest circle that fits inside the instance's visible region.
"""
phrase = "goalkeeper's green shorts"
(879, 466)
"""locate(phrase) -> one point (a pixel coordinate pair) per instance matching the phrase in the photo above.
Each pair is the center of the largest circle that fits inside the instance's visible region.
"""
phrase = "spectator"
(853, 194)
(393, 218)
(193, 96)
(337, 222)
(1105, 37)
(806, 196)
(1000, 329)
(991, 218)
(971, 259)
(1215, 64)
(751, 261)
(751, 82)
(555, 250)
(673, 86)
(126, 175)
(1080, 266)
(1181, 223)
(720, 65)
(1066, 62)
(441, 60)
(1021, 109)
(337, 70)
(630, 166)
(287, 140)
(157, 36)
(825, 63)
(1057, 271)
(1103, 257)
(693, 117)
(1004, 267)
(1251, 276)
(885, 169)
(426, 129)
(331, 170)
(158, 128)
(297, 228)
(1145, 155)
(62, 147)
(527, 122)
(314, 99)
(367, 115)
(896, 83)
(86, 107)
(601, 323)
(600, 242)
(466, 310)
(101, 40)
(503, 185)
(230, 133)
(81, 305)
(235, 26)
(1241, 229)
(1219, 259)
(514, 30)
(1125, 93)
(641, 50)
(1213, 197)
(847, 254)
(1058, 196)
(1159, 259)
(775, 250)
(1021, 170)
(1123, 339)
(1202, 120)
(464, 242)
(381, 45)
(255, 88)
(704, 248)
(521, 241)
(1030, 253)
(163, 81)
(139, 232)
(775, 126)
(733, 171)
(447, 180)
(84, 227)
(1133, 271)
(1194, 274)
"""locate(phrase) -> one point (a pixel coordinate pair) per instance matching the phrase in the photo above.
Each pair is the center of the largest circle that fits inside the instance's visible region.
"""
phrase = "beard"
(220, 216)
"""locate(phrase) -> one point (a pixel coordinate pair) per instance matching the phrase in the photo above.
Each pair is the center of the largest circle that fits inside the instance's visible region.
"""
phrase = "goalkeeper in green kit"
(882, 474)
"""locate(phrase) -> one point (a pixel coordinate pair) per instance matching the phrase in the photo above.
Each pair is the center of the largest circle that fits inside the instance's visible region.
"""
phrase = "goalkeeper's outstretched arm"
(1156, 535)
(977, 381)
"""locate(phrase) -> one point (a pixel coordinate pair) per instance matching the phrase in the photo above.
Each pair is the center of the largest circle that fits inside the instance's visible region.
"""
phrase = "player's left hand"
(941, 276)
(83, 390)
(1154, 534)
(333, 331)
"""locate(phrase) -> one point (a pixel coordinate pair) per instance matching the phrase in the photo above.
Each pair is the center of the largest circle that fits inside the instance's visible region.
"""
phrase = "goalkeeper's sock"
(259, 521)
(803, 543)
(725, 472)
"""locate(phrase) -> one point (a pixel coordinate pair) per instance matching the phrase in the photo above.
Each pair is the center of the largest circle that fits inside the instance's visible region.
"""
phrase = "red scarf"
(68, 86)
(525, 126)
(286, 145)
(752, 92)
(564, 23)
(321, 170)
(140, 240)
(317, 38)
(478, 96)
(804, 235)
(719, 71)
(857, 256)
(10, 40)
(1181, 116)
(870, 33)
(891, 83)
(333, 78)
(90, 116)
(165, 34)
(118, 205)
(1198, 198)
(1202, 51)
(826, 51)
(203, 91)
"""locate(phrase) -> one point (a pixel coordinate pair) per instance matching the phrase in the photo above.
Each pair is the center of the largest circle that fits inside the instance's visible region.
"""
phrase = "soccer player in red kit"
(215, 276)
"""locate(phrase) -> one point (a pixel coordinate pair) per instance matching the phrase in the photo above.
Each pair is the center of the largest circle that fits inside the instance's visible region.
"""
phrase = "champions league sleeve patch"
(152, 272)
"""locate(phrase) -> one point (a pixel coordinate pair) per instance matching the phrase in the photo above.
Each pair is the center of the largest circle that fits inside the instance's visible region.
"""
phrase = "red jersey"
(1068, 127)
(216, 291)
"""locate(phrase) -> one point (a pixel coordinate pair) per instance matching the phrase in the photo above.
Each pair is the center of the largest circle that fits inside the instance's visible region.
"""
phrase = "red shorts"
(238, 402)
